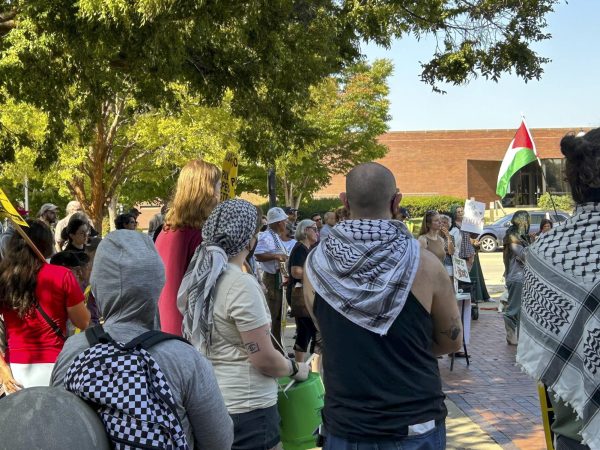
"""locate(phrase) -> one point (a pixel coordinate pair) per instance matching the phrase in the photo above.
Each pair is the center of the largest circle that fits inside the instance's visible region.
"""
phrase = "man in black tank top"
(385, 311)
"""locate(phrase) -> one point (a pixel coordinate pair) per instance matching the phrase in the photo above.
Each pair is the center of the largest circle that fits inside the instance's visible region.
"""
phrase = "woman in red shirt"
(196, 194)
(36, 299)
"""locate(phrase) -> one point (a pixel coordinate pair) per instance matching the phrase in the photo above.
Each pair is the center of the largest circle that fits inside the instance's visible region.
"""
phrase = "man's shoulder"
(429, 264)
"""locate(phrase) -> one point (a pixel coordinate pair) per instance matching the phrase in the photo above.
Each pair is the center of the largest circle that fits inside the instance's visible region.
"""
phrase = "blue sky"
(568, 95)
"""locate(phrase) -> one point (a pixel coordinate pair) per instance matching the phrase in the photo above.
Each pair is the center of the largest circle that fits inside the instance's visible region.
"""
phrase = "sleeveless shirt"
(436, 247)
(376, 386)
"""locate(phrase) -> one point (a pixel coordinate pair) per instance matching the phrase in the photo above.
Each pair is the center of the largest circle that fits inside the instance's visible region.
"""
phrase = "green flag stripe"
(520, 160)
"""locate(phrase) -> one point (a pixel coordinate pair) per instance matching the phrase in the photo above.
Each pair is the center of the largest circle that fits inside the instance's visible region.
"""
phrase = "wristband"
(294, 367)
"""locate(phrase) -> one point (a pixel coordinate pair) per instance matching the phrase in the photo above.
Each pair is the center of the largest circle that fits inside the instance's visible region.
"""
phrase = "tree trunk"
(297, 200)
(103, 190)
(288, 190)
(112, 212)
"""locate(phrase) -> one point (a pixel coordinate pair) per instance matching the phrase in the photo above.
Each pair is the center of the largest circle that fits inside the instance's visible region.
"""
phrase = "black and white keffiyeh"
(227, 231)
(364, 270)
(559, 339)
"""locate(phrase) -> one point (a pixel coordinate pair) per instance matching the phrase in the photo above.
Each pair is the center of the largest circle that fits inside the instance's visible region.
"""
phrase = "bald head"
(370, 189)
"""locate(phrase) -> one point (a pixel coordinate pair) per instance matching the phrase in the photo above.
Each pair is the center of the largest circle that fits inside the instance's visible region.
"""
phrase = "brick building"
(465, 163)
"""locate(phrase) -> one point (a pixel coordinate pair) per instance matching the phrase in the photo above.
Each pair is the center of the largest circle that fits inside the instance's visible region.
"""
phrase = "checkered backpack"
(126, 387)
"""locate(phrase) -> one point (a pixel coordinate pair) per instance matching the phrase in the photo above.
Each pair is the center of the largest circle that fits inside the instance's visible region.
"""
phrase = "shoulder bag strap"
(51, 322)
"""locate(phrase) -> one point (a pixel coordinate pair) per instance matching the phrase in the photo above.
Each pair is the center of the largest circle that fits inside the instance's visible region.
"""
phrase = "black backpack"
(126, 387)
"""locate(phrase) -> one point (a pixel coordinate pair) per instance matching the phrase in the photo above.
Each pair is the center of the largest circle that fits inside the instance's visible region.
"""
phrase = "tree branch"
(6, 21)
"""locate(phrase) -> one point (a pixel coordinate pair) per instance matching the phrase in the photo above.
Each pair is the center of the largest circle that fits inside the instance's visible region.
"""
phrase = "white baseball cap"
(47, 207)
(276, 215)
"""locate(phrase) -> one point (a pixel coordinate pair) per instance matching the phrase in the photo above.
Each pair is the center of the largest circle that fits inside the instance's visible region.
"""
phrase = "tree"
(91, 65)
(347, 115)
(104, 62)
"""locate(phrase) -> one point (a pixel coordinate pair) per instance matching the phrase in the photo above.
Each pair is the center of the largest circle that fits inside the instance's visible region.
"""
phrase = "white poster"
(461, 271)
(473, 218)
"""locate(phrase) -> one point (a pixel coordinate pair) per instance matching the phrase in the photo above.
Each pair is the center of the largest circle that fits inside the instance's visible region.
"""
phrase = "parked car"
(493, 235)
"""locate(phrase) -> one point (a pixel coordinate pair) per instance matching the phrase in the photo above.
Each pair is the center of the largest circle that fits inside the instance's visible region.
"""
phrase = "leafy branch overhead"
(93, 68)
(347, 114)
(54, 54)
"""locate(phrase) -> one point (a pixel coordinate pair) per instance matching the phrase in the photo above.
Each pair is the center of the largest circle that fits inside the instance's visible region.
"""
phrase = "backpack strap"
(151, 338)
(97, 335)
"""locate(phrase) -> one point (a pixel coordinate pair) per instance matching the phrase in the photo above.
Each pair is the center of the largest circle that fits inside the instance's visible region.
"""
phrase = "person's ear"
(344, 200)
(396, 202)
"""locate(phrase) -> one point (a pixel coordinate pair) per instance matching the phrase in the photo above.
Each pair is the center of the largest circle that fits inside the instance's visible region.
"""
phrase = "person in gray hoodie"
(127, 278)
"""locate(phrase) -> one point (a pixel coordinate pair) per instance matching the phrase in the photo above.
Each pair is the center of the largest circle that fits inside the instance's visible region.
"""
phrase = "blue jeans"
(432, 440)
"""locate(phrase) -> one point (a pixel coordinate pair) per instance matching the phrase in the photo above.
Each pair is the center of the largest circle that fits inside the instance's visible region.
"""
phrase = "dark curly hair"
(122, 220)
(20, 266)
(583, 165)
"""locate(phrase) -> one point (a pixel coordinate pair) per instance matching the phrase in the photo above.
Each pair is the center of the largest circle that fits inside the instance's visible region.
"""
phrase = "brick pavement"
(493, 392)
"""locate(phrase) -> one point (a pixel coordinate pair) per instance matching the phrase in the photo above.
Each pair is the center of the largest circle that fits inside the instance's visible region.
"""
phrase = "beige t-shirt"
(239, 305)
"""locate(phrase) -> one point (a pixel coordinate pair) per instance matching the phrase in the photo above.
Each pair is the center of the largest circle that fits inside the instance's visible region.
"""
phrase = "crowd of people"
(377, 305)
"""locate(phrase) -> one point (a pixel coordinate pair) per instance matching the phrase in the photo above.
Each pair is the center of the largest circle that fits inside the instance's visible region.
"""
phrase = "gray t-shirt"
(190, 376)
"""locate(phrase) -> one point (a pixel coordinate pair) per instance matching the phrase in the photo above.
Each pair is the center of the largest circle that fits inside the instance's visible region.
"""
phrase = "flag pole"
(541, 167)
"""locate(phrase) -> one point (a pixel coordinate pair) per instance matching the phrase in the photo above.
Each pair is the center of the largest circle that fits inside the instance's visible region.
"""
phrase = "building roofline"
(567, 129)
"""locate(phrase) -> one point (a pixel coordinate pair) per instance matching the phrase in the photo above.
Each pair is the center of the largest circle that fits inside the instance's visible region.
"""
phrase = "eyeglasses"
(318, 219)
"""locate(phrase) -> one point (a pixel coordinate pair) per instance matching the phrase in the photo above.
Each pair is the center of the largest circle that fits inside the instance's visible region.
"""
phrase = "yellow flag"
(229, 176)
(8, 210)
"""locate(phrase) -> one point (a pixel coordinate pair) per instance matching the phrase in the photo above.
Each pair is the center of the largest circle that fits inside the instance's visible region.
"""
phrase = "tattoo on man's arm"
(454, 329)
(252, 347)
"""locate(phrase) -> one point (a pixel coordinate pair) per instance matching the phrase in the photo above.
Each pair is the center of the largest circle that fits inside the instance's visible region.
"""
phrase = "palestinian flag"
(521, 152)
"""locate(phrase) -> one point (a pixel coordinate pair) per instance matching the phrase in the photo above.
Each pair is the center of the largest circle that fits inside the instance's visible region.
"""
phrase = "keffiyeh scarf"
(559, 340)
(227, 231)
(364, 270)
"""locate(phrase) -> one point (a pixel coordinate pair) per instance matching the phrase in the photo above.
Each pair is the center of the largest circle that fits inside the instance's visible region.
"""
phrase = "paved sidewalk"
(493, 392)
(463, 433)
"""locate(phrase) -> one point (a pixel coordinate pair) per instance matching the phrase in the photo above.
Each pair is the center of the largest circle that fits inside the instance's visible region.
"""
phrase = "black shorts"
(256, 430)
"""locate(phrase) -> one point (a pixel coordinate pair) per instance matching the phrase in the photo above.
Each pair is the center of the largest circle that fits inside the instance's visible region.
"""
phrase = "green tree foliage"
(93, 65)
(347, 114)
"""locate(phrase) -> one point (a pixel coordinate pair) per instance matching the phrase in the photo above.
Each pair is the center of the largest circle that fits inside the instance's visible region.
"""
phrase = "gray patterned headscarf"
(227, 231)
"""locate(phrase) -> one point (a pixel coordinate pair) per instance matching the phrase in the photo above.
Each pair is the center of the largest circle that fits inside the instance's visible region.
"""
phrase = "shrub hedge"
(563, 202)
(417, 206)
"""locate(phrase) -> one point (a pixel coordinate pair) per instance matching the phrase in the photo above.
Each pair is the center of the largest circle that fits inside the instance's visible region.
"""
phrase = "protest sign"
(8, 210)
(229, 176)
(472, 221)
(461, 271)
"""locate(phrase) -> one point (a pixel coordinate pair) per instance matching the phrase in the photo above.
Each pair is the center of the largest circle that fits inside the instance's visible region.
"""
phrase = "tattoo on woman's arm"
(252, 347)
(454, 329)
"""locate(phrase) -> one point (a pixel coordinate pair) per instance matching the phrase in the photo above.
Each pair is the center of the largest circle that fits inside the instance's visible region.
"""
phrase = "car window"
(536, 218)
(503, 220)
(559, 218)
